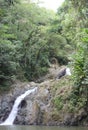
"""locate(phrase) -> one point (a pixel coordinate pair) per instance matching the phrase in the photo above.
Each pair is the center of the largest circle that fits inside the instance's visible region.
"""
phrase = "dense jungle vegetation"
(31, 36)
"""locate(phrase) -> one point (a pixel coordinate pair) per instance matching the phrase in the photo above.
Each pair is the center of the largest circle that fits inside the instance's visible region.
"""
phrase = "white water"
(13, 113)
(68, 72)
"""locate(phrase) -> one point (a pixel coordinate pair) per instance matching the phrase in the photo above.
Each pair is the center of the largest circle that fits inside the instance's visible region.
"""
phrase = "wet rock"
(6, 106)
(38, 109)
(35, 113)
(67, 119)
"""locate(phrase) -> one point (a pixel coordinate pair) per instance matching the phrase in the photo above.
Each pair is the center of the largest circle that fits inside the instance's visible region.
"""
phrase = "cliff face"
(48, 106)
(34, 109)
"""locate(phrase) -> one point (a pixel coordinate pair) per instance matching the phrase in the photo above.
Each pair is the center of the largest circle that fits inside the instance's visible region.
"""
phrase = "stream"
(14, 127)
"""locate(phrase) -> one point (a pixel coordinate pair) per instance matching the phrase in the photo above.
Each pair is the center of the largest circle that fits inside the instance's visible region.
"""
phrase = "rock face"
(38, 109)
(33, 113)
(6, 103)
(31, 109)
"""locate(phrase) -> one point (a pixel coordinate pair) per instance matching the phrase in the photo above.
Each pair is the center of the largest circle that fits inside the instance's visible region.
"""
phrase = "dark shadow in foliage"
(62, 60)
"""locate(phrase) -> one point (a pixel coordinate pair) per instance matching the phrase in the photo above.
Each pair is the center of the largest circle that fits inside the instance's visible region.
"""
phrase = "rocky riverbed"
(39, 108)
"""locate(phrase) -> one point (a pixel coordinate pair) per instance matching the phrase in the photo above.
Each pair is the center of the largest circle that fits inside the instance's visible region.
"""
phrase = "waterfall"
(68, 72)
(13, 113)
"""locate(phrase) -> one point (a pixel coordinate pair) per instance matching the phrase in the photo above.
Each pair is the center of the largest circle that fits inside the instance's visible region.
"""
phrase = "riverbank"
(21, 127)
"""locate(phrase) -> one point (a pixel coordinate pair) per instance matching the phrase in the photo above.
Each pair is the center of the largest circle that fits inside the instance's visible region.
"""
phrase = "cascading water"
(13, 113)
(68, 72)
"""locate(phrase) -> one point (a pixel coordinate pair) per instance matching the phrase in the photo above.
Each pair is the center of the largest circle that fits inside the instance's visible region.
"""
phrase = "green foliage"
(81, 61)
(79, 95)
(7, 52)
(34, 57)
(58, 102)
(23, 40)
(73, 19)
(7, 63)
(58, 48)
(76, 101)
(79, 66)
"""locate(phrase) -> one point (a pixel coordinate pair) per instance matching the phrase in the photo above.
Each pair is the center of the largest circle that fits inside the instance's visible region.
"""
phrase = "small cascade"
(13, 113)
(68, 72)
(63, 72)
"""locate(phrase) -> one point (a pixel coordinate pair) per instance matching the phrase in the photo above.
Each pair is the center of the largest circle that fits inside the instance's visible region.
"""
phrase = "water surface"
(14, 127)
